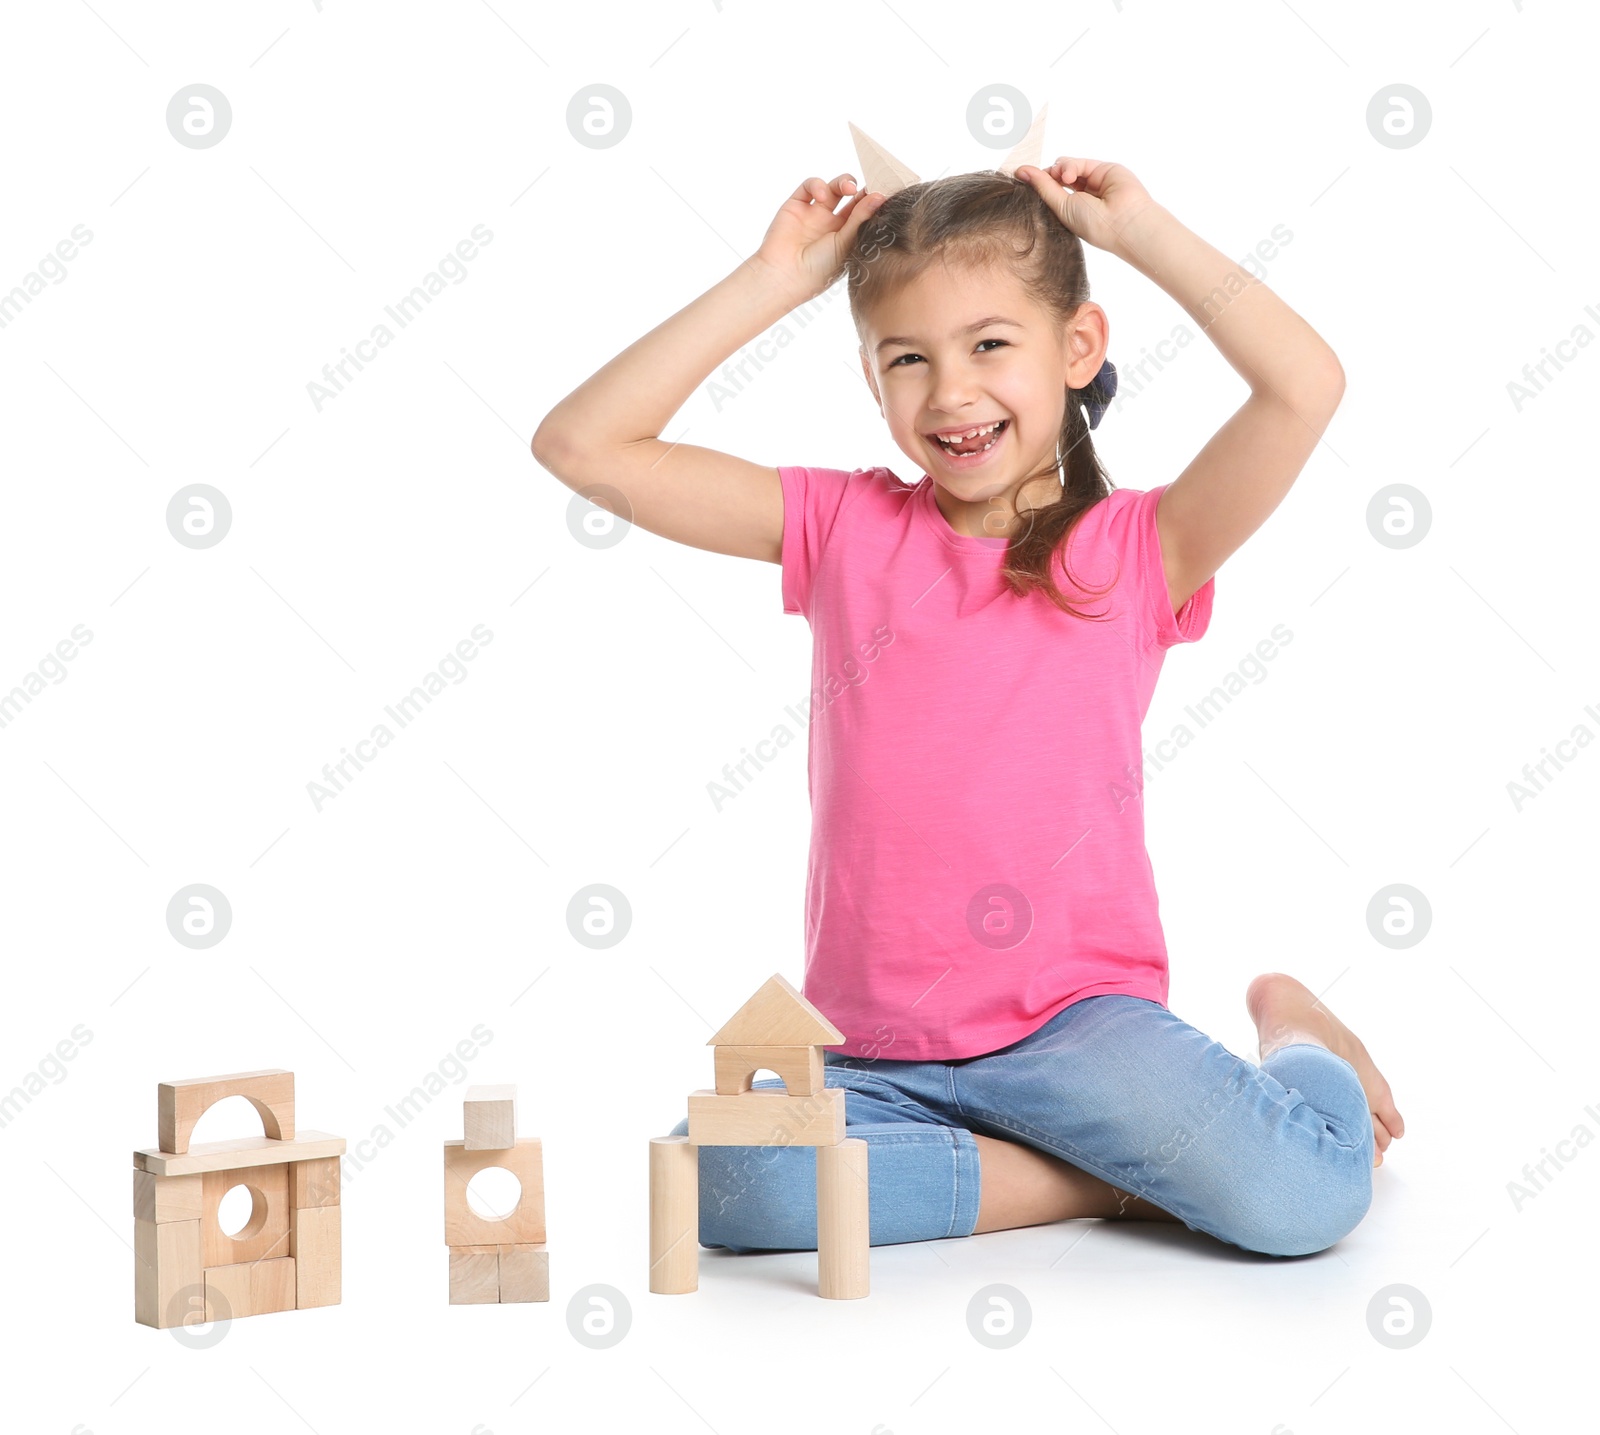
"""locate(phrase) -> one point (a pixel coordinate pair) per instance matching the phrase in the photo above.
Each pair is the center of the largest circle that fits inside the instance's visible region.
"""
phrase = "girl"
(981, 915)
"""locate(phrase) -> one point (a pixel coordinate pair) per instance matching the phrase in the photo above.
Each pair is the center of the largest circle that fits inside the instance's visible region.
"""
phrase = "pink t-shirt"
(975, 766)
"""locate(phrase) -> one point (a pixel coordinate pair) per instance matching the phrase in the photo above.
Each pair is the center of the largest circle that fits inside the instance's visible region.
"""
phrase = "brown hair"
(982, 219)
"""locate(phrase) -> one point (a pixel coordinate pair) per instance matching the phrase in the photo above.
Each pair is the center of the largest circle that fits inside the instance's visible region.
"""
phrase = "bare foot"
(1285, 1010)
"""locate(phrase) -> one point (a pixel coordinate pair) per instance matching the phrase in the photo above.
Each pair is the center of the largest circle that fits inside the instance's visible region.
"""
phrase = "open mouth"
(968, 449)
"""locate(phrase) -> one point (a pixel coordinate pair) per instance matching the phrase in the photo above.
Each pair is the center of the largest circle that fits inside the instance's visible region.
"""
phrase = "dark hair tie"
(1096, 396)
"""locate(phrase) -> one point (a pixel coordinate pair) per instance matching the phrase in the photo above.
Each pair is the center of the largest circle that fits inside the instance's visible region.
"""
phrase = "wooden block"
(801, 1068)
(843, 1243)
(166, 1198)
(182, 1103)
(524, 1273)
(777, 1015)
(250, 1288)
(474, 1275)
(228, 1292)
(315, 1183)
(767, 1118)
(167, 1283)
(489, 1118)
(238, 1152)
(264, 1235)
(524, 1226)
(315, 1243)
(272, 1285)
(674, 1215)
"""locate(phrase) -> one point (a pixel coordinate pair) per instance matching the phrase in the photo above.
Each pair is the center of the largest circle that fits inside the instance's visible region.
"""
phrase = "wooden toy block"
(767, 1118)
(674, 1215)
(286, 1256)
(182, 1103)
(166, 1198)
(842, 1233)
(228, 1292)
(314, 1183)
(524, 1226)
(474, 1275)
(776, 1030)
(315, 1243)
(524, 1273)
(881, 171)
(800, 1067)
(777, 1015)
(489, 1118)
(250, 1288)
(265, 1234)
(273, 1284)
(238, 1152)
(167, 1273)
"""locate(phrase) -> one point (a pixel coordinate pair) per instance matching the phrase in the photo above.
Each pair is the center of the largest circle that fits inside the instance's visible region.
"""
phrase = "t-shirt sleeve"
(1190, 621)
(812, 501)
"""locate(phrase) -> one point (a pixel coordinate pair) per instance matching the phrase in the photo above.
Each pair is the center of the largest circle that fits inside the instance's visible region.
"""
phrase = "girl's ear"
(1087, 337)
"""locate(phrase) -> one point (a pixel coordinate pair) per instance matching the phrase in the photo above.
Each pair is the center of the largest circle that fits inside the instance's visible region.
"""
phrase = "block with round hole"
(265, 1232)
(523, 1226)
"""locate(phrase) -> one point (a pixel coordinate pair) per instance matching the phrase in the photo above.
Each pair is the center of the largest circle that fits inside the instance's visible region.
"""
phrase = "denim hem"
(969, 1182)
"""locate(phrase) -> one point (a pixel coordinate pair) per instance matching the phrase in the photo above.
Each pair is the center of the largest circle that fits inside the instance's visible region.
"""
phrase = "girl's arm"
(1233, 484)
(607, 430)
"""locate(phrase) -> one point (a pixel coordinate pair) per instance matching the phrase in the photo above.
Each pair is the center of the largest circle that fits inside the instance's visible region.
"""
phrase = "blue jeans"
(1275, 1158)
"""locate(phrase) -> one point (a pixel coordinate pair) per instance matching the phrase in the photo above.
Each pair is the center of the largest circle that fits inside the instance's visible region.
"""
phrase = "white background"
(368, 539)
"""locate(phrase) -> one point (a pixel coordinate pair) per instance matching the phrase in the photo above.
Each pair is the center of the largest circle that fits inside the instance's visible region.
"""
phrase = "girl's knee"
(1302, 1223)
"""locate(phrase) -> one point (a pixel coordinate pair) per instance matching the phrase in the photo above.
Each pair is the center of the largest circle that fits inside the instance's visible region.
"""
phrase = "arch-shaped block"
(799, 1067)
(182, 1103)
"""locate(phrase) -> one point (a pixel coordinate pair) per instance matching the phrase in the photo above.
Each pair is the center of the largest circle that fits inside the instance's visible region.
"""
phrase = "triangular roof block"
(777, 1015)
(880, 170)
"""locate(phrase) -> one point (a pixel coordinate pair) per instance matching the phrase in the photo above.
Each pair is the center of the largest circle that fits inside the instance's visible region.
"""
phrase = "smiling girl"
(982, 921)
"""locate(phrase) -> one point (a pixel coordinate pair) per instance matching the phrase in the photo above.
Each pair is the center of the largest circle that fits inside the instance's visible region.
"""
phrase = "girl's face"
(958, 348)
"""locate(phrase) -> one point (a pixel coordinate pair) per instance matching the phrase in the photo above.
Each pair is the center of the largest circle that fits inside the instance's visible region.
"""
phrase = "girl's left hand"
(1104, 198)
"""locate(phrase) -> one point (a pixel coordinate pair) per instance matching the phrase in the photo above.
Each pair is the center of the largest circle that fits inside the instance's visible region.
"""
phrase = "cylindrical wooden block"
(674, 1215)
(843, 1244)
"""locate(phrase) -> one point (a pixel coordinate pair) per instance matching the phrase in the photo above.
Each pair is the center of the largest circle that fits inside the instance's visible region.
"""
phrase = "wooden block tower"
(499, 1261)
(780, 1031)
(187, 1269)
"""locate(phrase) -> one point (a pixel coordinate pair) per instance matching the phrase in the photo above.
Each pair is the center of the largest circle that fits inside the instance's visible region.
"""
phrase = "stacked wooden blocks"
(187, 1269)
(780, 1031)
(500, 1260)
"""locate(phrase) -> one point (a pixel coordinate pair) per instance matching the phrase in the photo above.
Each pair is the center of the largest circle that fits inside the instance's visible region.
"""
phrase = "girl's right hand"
(806, 244)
